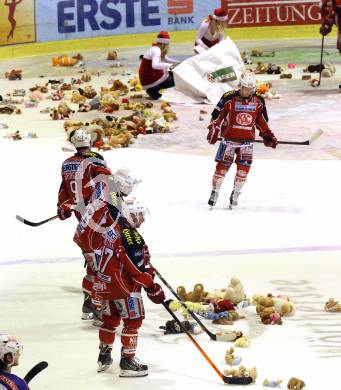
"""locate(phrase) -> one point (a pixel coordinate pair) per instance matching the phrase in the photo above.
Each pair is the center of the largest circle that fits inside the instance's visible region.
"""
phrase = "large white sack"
(192, 77)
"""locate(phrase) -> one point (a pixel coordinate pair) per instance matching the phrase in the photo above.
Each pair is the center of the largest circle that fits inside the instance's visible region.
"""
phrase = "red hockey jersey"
(78, 174)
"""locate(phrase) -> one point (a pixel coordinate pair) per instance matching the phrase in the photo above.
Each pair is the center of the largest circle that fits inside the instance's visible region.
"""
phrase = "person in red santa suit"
(154, 71)
(236, 116)
(211, 30)
(331, 14)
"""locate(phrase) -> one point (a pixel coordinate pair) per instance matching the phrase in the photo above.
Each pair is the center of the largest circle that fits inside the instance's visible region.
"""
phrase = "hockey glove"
(213, 133)
(269, 139)
(325, 29)
(155, 293)
(63, 213)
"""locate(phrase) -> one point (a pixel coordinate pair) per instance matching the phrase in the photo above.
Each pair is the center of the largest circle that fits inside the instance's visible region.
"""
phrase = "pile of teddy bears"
(271, 309)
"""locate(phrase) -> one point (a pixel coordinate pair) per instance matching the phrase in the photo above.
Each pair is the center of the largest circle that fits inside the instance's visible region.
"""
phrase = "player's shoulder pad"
(230, 94)
(92, 154)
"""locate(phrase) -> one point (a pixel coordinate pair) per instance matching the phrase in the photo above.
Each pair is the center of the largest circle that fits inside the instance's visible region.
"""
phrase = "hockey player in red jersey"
(121, 274)
(79, 174)
(235, 118)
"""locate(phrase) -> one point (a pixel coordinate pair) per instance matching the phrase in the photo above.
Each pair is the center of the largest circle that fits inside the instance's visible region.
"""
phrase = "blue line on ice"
(232, 252)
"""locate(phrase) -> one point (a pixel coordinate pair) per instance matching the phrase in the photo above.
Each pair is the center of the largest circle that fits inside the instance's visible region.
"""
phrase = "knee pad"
(132, 324)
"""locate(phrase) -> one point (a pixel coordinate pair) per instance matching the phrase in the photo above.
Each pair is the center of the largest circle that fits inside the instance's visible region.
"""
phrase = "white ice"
(284, 237)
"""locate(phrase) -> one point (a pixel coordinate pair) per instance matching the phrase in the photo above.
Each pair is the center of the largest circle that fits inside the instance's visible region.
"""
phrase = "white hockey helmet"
(124, 181)
(81, 138)
(9, 344)
(248, 80)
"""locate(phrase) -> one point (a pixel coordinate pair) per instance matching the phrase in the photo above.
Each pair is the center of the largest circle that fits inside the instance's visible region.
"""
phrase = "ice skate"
(234, 199)
(213, 198)
(104, 360)
(131, 367)
(87, 308)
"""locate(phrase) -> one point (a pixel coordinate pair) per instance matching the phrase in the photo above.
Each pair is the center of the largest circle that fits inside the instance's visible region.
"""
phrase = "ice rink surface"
(283, 238)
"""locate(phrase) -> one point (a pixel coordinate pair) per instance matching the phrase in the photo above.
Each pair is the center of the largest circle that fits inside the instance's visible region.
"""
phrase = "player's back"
(78, 174)
(11, 382)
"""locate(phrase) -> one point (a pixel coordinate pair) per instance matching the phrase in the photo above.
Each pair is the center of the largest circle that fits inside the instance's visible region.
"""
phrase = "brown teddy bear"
(64, 110)
(86, 77)
(112, 55)
(242, 371)
(332, 306)
(197, 295)
(295, 384)
(88, 92)
(72, 125)
(230, 359)
(14, 74)
(120, 138)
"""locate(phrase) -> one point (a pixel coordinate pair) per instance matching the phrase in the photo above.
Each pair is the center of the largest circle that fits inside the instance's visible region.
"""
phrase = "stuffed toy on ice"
(197, 295)
(230, 359)
(234, 293)
(242, 342)
(295, 384)
(242, 372)
(271, 383)
(332, 306)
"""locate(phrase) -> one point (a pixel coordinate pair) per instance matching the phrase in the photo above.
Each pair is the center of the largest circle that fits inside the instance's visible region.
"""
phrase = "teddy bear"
(72, 125)
(64, 61)
(261, 68)
(86, 77)
(272, 318)
(234, 293)
(295, 384)
(55, 115)
(242, 342)
(112, 55)
(88, 92)
(230, 359)
(64, 110)
(120, 138)
(197, 295)
(14, 74)
(77, 98)
(229, 335)
(332, 306)
(272, 383)
(242, 371)
(119, 86)
(274, 69)
(283, 304)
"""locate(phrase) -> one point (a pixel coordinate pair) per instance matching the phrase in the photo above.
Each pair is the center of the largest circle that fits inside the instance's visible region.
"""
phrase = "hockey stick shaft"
(215, 368)
(203, 327)
(35, 224)
(307, 142)
(321, 58)
(35, 371)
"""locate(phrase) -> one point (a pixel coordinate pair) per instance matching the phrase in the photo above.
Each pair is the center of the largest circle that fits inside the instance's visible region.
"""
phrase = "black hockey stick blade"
(35, 224)
(35, 371)
(237, 380)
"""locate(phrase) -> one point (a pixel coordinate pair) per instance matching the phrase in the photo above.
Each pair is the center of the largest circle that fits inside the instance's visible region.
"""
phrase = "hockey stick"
(203, 327)
(35, 371)
(307, 142)
(35, 224)
(321, 58)
(226, 379)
